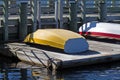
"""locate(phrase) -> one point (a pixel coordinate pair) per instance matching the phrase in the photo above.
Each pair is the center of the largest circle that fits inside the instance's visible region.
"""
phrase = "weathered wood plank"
(97, 53)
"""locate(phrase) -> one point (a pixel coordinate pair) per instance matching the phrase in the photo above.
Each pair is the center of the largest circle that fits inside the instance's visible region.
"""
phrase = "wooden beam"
(102, 11)
(56, 13)
(60, 13)
(39, 14)
(73, 16)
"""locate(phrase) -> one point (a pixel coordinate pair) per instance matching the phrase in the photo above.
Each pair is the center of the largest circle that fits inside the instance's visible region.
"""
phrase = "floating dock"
(98, 52)
(17, 20)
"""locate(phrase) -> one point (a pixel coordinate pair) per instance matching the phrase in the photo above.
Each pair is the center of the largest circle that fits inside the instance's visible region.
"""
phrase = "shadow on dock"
(106, 40)
(52, 49)
(47, 48)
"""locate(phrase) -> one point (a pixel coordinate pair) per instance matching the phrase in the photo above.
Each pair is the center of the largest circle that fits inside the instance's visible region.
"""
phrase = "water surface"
(106, 71)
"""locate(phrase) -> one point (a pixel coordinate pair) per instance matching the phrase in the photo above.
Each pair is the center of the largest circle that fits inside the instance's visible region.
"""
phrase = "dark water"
(106, 71)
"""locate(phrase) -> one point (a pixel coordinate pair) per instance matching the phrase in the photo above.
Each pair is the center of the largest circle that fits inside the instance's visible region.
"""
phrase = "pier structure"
(20, 17)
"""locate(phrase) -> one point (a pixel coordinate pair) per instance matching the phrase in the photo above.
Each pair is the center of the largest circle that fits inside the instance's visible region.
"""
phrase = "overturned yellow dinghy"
(69, 41)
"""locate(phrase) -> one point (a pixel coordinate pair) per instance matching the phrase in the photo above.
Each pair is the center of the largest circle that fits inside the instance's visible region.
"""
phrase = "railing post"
(34, 15)
(102, 11)
(39, 14)
(23, 20)
(5, 20)
(83, 10)
(56, 13)
(73, 15)
(60, 13)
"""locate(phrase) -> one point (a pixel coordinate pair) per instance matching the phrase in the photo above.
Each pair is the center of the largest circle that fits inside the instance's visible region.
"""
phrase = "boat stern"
(76, 45)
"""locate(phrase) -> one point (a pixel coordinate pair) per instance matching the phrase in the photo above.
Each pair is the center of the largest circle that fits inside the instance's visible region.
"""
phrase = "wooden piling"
(5, 20)
(23, 20)
(73, 16)
(39, 14)
(56, 13)
(102, 11)
(60, 13)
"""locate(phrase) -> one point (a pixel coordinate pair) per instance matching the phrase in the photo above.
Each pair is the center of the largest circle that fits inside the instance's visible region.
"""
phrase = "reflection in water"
(26, 72)
(15, 74)
(108, 71)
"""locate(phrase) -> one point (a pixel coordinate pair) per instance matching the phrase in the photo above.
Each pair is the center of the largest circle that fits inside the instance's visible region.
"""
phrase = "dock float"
(98, 52)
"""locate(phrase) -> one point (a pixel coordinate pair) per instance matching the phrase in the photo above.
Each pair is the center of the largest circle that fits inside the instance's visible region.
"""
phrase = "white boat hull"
(101, 29)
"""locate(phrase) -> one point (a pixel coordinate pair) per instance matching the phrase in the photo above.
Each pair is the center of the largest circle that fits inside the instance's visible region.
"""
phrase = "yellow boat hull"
(59, 38)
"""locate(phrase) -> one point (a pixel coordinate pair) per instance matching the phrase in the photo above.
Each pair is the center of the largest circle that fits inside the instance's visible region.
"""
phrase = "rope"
(50, 60)
(20, 49)
(38, 59)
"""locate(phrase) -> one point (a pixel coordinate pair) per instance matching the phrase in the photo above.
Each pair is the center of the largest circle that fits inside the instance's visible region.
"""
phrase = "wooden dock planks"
(98, 52)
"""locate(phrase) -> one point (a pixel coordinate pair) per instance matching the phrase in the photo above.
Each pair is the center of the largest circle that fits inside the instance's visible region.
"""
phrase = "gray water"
(106, 71)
